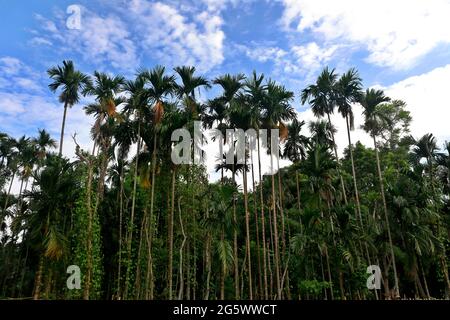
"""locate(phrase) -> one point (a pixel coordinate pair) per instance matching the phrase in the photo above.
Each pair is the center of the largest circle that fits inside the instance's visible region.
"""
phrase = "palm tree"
(125, 134)
(161, 86)
(443, 160)
(218, 223)
(426, 147)
(105, 89)
(242, 115)
(322, 132)
(255, 92)
(27, 159)
(348, 92)
(373, 121)
(189, 85)
(71, 82)
(295, 149)
(43, 143)
(136, 105)
(322, 97)
(276, 111)
(10, 153)
(6, 147)
(231, 85)
(186, 90)
(57, 188)
(320, 164)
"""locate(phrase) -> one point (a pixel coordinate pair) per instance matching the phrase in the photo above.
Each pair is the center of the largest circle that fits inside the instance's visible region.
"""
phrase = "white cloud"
(396, 33)
(313, 56)
(15, 74)
(303, 60)
(10, 65)
(40, 41)
(101, 39)
(173, 34)
(426, 98)
(175, 39)
(263, 53)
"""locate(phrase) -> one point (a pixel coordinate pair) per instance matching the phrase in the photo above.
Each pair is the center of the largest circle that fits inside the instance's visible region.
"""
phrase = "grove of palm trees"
(140, 227)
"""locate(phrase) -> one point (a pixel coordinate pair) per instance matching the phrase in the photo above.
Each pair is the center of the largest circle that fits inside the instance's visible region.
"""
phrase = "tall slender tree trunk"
(224, 270)
(391, 245)
(247, 231)
(87, 285)
(263, 226)
(137, 281)
(358, 206)
(207, 260)
(152, 200)
(102, 177)
(327, 258)
(61, 139)
(38, 281)
(181, 289)
(338, 162)
(119, 269)
(7, 197)
(283, 228)
(170, 236)
(298, 189)
(149, 285)
(131, 223)
(424, 277)
(255, 211)
(235, 243)
(275, 233)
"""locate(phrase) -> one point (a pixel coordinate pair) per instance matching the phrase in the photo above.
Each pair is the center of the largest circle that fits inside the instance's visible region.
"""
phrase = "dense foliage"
(140, 227)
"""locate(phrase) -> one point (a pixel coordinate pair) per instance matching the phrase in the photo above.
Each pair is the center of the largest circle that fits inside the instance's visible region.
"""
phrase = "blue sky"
(402, 46)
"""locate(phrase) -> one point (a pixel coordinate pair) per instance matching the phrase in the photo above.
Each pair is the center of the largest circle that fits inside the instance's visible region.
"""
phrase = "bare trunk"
(224, 271)
(338, 162)
(298, 190)
(137, 282)
(358, 206)
(180, 292)
(247, 231)
(120, 232)
(235, 244)
(207, 261)
(7, 197)
(61, 139)
(275, 235)
(255, 209)
(170, 236)
(263, 227)
(38, 281)
(391, 245)
(329, 272)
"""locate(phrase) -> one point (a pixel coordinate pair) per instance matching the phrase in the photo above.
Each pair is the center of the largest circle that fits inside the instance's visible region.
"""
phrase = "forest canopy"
(139, 226)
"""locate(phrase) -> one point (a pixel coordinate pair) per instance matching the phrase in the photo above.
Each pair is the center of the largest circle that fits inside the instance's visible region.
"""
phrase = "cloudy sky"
(402, 46)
